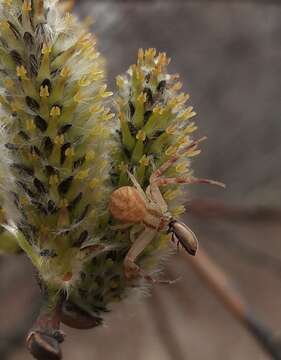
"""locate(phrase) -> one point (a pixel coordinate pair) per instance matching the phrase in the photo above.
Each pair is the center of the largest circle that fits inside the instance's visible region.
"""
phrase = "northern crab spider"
(131, 205)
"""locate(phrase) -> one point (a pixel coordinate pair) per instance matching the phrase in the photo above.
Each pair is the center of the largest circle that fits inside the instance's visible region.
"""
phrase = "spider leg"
(157, 173)
(121, 226)
(186, 180)
(136, 185)
(131, 269)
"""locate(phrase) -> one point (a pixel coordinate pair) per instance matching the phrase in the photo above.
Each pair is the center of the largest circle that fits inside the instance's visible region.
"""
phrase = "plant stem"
(225, 291)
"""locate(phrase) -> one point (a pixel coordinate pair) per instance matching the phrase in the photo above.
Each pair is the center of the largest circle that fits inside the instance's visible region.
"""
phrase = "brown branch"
(210, 208)
(225, 291)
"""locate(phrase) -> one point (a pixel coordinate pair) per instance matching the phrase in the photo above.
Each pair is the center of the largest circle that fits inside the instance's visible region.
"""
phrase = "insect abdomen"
(186, 237)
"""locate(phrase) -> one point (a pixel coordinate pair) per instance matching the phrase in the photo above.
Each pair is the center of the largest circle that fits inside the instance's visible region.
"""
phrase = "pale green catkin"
(64, 154)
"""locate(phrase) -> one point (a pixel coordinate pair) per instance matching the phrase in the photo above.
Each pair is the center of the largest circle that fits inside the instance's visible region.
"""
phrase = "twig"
(216, 209)
(222, 287)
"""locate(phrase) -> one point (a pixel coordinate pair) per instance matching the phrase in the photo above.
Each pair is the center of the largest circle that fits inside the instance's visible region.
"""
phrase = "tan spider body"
(131, 205)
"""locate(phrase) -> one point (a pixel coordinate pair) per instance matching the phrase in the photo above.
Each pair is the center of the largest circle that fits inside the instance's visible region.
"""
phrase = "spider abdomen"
(127, 205)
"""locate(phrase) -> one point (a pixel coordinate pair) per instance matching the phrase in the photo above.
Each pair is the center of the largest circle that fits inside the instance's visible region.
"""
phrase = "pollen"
(90, 156)
(171, 129)
(177, 211)
(65, 72)
(94, 183)
(171, 150)
(26, 6)
(83, 174)
(144, 160)
(69, 152)
(59, 140)
(21, 72)
(141, 135)
(44, 91)
(54, 180)
(30, 126)
(46, 50)
(55, 111)
(84, 81)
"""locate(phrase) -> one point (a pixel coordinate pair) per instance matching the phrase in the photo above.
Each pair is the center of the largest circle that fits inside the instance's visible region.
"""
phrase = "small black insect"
(48, 253)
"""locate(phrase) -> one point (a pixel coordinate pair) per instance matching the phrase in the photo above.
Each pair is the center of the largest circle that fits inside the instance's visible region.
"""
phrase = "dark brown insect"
(184, 236)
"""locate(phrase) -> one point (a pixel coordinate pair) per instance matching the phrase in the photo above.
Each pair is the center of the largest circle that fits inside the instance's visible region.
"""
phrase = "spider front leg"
(131, 269)
(185, 180)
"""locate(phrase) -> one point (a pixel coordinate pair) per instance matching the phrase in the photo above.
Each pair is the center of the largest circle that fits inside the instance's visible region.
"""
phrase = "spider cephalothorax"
(131, 205)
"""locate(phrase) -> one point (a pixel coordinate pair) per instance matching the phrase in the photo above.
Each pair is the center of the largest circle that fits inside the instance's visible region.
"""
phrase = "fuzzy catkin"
(56, 134)
(64, 154)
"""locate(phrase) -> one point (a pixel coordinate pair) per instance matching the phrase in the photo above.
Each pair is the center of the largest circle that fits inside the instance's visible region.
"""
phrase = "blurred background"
(228, 54)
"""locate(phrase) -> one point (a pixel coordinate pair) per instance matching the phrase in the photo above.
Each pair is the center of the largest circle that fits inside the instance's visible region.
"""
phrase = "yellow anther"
(84, 81)
(78, 97)
(7, 3)
(59, 140)
(44, 91)
(30, 126)
(68, 19)
(141, 55)
(142, 98)
(103, 93)
(94, 183)
(90, 155)
(24, 200)
(171, 129)
(178, 211)
(15, 106)
(141, 135)
(122, 166)
(193, 153)
(96, 75)
(26, 6)
(144, 161)
(170, 195)
(149, 55)
(69, 152)
(177, 86)
(8, 83)
(81, 175)
(181, 168)
(96, 109)
(120, 81)
(55, 111)
(65, 72)
(54, 180)
(21, 72)
(158, 110)
(190, 128)
(4, 25)
(107, 116)
(171, 150)
(46, 49)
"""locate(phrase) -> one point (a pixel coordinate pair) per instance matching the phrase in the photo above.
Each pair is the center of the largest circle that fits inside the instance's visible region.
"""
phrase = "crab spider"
(131, 205)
